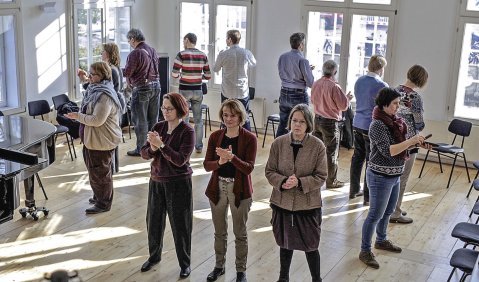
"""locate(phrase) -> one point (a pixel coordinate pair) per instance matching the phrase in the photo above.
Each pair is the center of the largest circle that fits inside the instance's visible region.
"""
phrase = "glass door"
(368, 36)
(195, 18)
(324, 37)
(229, 16)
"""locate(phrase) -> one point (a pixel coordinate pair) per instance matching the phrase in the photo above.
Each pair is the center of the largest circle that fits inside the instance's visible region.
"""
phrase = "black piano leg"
(30, 207)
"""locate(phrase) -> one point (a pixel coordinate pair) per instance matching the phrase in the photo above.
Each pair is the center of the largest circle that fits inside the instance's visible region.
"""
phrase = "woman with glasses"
(230, 156)
(170, 144)
(297, 169)
(100, 134)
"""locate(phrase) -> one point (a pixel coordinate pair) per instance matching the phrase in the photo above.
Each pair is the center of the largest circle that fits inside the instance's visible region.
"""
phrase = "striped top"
(194, 67)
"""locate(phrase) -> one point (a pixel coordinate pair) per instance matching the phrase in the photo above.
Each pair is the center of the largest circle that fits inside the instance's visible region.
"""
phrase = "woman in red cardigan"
(230, 155)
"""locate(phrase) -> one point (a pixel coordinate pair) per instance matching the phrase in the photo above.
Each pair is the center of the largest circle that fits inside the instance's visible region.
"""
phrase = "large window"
(466, 98)
(201, 17)
(349, 34)
(10, 53)
(96, 24)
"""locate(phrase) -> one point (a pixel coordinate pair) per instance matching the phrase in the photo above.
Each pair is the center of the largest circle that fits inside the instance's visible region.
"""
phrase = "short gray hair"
(135, 34)
(307, 114)
(329, 67)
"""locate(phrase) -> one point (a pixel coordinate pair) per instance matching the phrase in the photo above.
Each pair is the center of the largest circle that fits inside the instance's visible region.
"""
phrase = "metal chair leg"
(450, 275)
(265, 131)
(41, 185)
(73, 146)
(440, 162)
(274, 130)
(472, 185)
(467, 169)
(69, 148)
(452, 169)
(254, 123)
(209, 117)
(424, 163)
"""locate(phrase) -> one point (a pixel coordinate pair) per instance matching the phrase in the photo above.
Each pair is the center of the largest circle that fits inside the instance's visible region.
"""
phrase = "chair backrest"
(59, 100)
(252, 91)
(38, 108)
(460, 127)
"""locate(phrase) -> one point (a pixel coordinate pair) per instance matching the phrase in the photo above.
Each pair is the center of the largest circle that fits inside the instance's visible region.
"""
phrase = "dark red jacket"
(171, 162)
(243, 161)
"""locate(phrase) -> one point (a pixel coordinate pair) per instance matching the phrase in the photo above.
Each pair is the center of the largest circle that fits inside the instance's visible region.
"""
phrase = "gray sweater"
(310, 168)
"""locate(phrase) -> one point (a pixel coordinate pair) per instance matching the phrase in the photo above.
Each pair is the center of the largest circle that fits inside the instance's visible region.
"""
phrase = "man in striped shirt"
(191, 67)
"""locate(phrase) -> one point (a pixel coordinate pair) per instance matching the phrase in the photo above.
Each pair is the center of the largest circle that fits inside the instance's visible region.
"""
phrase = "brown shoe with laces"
(387, 245)
(368, 259)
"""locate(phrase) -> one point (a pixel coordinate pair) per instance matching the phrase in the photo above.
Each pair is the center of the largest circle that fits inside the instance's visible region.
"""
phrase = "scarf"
(93, 94)
(396, 126)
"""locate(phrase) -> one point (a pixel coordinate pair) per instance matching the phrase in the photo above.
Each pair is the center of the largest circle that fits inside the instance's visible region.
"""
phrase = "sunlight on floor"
(57, 241)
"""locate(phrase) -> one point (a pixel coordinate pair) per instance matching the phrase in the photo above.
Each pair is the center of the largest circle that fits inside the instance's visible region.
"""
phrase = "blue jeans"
(383, 195)
(361, 155)
(194, 98)
(287, 100)
(245, 102)
(145, 105)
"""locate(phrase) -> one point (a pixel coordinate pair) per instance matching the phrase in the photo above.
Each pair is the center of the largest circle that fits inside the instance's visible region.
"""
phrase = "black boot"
(285, 257)
(314, 265)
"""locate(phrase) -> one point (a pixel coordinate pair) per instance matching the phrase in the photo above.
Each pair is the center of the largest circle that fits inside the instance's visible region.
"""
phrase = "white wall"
(45, 50)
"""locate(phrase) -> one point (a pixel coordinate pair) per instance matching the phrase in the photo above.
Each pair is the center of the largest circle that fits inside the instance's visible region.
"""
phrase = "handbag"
(204, 88)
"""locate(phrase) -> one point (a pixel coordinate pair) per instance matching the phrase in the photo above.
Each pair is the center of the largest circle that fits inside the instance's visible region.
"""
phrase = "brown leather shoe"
(335, 184)
(94, 210)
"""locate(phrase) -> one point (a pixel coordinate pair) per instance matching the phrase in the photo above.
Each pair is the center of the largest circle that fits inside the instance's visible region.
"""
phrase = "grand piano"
(26, 147)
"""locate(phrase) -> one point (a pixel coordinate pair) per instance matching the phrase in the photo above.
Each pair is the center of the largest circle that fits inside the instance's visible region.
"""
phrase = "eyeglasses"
(92, 74)
(168, 110)
(300, 122)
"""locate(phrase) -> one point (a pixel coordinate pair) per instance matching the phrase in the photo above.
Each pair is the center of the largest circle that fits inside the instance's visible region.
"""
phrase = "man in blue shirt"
(366, 89)
(296, 76)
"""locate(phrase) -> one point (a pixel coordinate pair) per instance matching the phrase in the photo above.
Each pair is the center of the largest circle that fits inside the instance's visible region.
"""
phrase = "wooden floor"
(112, 246)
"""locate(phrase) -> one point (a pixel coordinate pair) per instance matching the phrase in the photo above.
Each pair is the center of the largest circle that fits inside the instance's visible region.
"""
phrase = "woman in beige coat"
(100, 133)
(297, 169)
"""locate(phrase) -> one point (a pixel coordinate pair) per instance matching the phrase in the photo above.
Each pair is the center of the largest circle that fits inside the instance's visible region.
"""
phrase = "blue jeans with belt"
(145, 106)
(289, 98)
(383, 195)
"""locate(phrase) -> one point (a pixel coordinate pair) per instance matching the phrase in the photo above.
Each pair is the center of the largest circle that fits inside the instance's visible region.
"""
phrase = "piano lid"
(19, 133)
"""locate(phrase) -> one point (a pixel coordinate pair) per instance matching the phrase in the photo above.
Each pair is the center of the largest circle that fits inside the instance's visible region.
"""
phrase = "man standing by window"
(191, 66)
(329, 102)
(296, 75)
(141, 72)
(235, 62)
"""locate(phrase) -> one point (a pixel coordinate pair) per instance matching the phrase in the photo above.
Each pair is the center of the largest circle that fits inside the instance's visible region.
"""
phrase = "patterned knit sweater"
(380, 159)
(194, 67)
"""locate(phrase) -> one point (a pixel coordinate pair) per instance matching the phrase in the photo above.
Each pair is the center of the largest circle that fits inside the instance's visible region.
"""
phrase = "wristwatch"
(162, 145)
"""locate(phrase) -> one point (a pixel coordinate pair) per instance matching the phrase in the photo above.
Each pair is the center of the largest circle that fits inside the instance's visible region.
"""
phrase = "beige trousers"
(220, 222)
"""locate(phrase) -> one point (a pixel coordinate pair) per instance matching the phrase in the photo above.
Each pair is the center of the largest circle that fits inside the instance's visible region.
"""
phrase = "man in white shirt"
(235, 62)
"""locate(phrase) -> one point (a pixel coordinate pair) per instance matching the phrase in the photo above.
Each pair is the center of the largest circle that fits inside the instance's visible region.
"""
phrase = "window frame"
(75, 88)
(464, 17)
(348, 14)
(15, 101)
(351, 5)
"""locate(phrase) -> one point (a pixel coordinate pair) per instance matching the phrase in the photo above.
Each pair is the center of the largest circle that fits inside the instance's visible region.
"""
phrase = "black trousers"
(173, 198)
